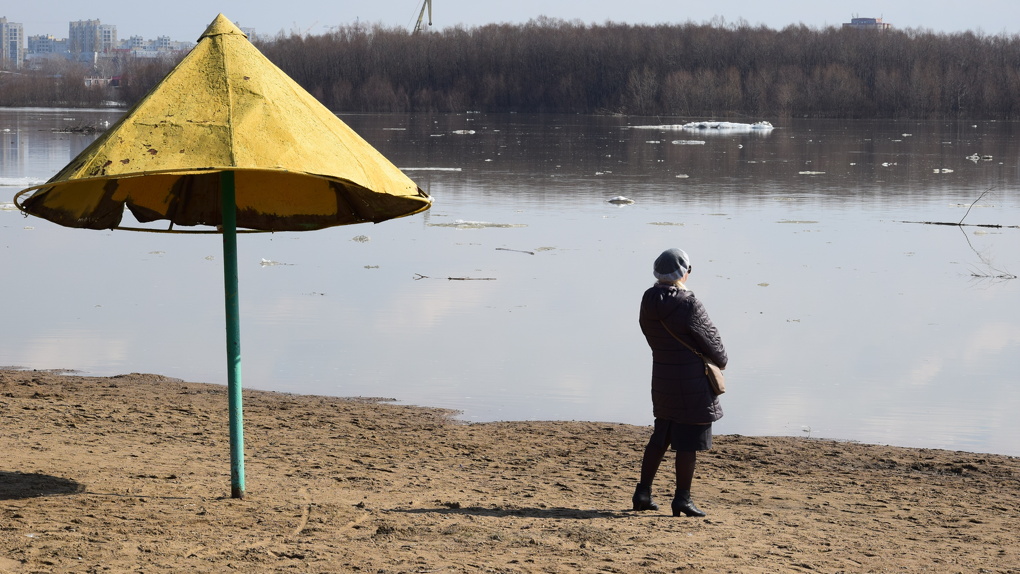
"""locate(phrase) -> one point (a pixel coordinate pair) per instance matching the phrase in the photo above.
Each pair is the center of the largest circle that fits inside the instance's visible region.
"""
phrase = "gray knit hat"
(672, 265)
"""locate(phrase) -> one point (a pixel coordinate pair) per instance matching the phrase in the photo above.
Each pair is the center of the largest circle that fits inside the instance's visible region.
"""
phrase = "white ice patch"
(430, 169)
(20, 182)
(461, 224)
(711, 127)
(729, 126)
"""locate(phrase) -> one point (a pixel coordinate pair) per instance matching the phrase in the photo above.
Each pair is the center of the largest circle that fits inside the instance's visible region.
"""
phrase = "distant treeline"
(687, 70)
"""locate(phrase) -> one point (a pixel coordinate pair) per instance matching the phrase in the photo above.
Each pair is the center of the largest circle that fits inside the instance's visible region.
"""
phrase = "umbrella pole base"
(236, 492)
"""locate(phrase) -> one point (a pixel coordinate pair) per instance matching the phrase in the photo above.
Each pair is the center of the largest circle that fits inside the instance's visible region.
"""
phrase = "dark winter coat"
(680, 389)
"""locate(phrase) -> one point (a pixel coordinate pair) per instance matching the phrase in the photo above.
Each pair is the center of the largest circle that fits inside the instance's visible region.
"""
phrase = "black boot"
(643, 498)
(682, 504)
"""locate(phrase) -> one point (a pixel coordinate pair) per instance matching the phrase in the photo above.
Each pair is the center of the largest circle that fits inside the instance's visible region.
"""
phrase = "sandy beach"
(131, 474)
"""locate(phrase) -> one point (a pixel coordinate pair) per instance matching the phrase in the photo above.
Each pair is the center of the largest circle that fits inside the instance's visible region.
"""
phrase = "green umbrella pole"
(233, 315)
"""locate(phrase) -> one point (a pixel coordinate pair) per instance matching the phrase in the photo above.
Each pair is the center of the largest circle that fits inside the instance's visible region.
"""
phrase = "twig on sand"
(418, 276)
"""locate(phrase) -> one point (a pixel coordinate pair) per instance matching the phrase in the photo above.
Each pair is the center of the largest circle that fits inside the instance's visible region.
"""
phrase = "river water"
(515, 297)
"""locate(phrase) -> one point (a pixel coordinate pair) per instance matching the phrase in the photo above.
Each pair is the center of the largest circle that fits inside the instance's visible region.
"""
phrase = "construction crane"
(425, 4)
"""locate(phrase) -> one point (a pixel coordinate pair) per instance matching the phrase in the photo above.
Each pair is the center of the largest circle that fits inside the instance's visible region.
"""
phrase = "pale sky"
(187, 19)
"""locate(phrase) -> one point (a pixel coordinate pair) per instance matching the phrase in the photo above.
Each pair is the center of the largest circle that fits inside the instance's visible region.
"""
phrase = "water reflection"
(841, 321)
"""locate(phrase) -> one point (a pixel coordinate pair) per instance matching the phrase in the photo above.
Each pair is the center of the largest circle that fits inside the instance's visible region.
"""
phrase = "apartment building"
(867, 24)
(12, 44)
(91, 36)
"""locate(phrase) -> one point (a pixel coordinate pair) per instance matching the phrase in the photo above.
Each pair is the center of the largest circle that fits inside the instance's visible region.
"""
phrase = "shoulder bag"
(715, 375)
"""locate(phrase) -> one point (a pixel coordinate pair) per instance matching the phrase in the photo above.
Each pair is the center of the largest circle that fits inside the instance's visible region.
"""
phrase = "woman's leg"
(649, 466)
(682, 503)
(685, 461)
(650, 462)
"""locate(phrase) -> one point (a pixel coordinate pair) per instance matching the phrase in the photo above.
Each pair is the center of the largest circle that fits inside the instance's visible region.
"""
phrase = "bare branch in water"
(973, 203)
(961, 223)
(992, 272)
(419, 276)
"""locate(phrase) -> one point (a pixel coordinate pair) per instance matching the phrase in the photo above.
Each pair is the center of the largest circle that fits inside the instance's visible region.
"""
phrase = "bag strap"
(684, 343)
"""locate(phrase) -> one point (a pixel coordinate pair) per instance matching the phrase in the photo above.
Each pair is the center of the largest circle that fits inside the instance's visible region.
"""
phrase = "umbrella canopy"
(227, 140)
(226, 107)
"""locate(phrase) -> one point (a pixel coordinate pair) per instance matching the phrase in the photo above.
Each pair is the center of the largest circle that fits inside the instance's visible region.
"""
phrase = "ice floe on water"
(20, 182)
(976, 158)
(430, 169)
(729, 126)
(712, 127)
(461, 224)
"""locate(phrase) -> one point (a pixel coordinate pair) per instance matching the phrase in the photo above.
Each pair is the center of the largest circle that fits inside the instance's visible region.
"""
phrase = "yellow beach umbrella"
(227, 140)
(226, 107)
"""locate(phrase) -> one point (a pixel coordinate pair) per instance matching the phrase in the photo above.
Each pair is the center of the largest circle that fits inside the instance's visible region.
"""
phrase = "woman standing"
(683, 403)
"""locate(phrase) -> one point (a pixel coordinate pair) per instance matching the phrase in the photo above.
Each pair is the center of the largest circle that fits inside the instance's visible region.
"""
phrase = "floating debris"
(811, 172)
(620, 200)
(464, 132)
(419, 276)
(688, 142)
(83, 128)
(514, 250)
(682, 176)
(943, 170)
(665, 223)
(361, 238)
